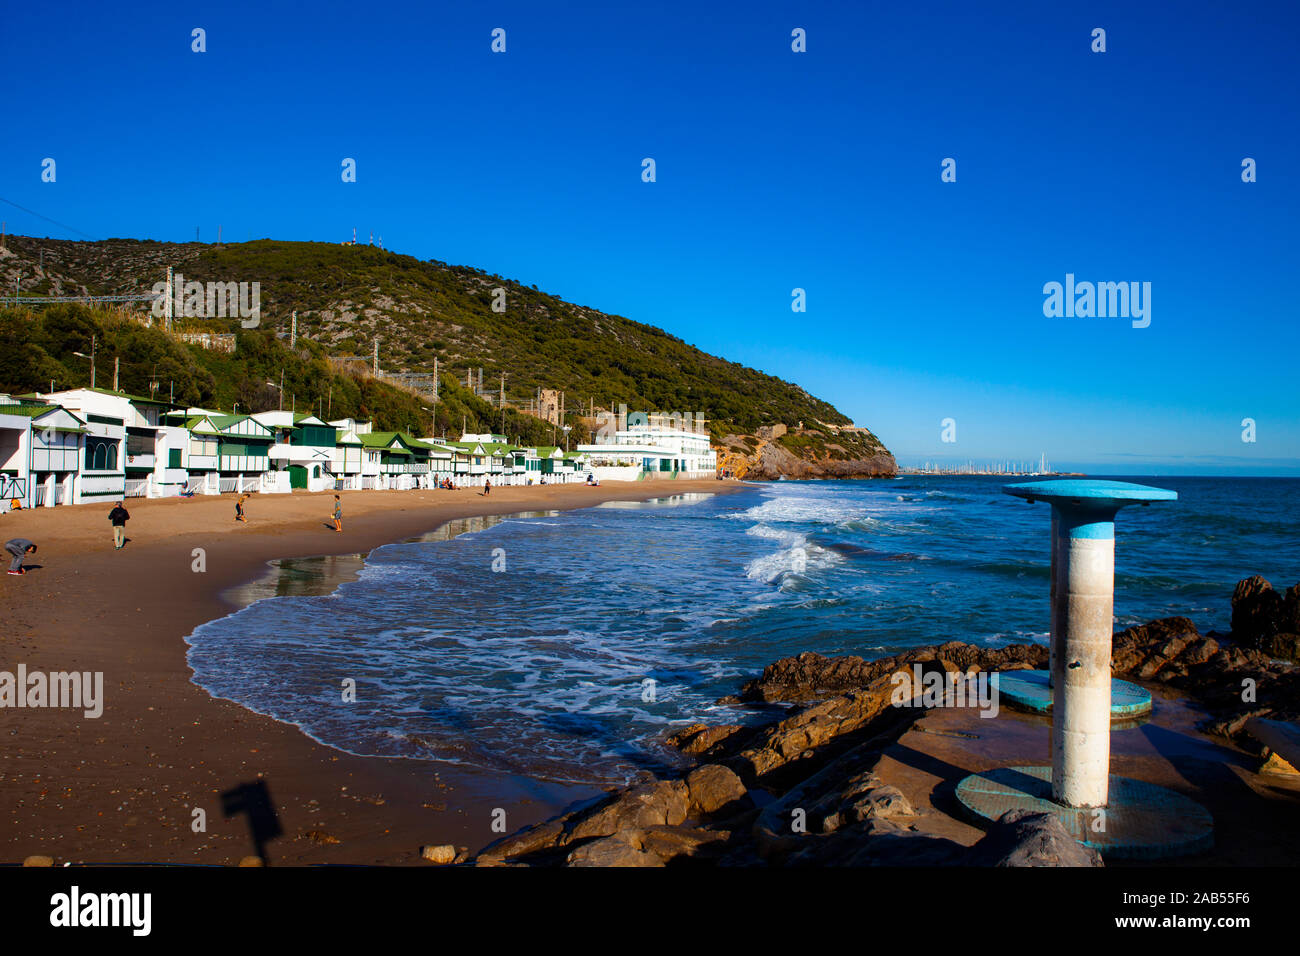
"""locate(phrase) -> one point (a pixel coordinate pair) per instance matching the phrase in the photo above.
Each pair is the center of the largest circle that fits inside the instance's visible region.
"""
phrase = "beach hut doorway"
(297, 476)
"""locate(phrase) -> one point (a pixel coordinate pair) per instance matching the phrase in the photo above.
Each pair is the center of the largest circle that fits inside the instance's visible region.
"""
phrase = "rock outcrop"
(777, 461)
(1025, 838)
(811, 676)
(1265, 620)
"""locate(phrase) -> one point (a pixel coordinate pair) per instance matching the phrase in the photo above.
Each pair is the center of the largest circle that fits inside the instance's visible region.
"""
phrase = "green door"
(297, 476)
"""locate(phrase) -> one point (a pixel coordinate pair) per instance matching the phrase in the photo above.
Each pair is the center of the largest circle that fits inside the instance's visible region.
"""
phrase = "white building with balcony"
(648, 448)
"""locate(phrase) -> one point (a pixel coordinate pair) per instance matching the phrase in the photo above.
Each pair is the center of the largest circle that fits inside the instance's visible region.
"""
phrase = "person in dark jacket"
(19, 548)
(119, 516)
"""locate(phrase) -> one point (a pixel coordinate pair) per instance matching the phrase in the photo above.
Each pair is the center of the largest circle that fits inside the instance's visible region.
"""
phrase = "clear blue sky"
(775, 170)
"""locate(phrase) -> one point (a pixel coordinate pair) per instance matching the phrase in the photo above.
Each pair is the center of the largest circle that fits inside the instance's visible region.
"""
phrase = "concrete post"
(1082, 584)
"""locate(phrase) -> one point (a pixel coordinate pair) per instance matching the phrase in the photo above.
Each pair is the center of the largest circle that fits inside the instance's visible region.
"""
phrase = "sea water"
(566, 645)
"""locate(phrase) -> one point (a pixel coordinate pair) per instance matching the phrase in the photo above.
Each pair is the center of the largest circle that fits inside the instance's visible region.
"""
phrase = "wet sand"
(124, 787)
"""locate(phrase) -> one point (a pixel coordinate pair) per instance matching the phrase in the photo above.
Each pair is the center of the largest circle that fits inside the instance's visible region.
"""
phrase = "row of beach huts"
(93, 445)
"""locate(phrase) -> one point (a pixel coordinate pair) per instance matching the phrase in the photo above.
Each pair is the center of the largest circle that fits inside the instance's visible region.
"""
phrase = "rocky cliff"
(820, 450)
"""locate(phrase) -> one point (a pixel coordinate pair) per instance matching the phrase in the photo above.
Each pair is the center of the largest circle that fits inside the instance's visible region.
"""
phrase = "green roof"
(385, 440)
(225, 421)
(31, 411)
(192, 423)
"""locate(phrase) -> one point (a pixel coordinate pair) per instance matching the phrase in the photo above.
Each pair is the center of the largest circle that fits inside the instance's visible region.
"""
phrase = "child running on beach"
(19, 548)
(338, 514)
(119, 516)
(239, 509)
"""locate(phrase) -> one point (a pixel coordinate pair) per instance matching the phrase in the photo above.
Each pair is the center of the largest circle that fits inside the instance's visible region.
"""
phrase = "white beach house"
(651, 447)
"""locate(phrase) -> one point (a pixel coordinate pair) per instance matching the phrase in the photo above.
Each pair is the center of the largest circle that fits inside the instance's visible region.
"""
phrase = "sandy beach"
(124, 787)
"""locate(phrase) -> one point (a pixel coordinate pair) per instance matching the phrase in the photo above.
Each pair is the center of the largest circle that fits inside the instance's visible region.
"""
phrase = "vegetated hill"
(347, 296)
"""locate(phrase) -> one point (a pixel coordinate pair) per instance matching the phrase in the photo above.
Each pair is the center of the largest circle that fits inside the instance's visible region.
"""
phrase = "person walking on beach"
(19, 548)
(239, 509)
(119, 516)
(338, 514)
(487, 487)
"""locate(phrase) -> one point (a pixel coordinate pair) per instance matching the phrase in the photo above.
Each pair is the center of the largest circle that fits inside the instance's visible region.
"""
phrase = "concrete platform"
(1028, 690)
(1141, 822)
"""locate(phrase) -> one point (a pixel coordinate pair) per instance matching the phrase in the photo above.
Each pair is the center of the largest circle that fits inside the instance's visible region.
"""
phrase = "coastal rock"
(700, 739)
(441, 854)
(618, 849)
(537, 839)
(775, 460)
(812, 728)
(809, 676)
(650, 846)
(714, 788)
(37, 860)
(1025, 838)
(865, 796)
(663, 802)
(1265, 620)
(877, 843)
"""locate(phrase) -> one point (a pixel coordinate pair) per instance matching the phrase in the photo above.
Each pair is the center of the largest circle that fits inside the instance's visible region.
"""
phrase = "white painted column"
(1083, 616)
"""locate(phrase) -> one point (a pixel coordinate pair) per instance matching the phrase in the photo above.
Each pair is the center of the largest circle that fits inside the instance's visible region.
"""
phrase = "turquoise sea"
(528, 644)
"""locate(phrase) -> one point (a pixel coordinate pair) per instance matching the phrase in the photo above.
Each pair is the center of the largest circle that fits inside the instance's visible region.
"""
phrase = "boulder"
(1025, 838)
(550, 835)
(649, 846)
(618, 849)
(1265, 620)
(714, 788)
(442, 854)
(863, 797)
(699, 739)
(662, 802)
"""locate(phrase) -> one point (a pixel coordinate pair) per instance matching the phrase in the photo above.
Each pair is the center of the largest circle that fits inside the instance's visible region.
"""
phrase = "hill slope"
(347, 296)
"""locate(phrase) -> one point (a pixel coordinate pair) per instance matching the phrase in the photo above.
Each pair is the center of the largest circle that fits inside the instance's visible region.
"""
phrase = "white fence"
(136, 488)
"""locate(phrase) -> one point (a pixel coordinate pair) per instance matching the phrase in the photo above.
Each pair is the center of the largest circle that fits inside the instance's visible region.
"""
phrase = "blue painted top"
(1089, 492)
(1086, 507)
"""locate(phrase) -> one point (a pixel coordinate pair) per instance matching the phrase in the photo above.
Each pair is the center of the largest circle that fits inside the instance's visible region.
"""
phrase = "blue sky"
(775, 170)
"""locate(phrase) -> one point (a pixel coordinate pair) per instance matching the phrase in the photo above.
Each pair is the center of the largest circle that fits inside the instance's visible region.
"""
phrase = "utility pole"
(281, 389)
(93, 343)
(116, 361)
(435, 380)
(293, 330)
(167, 320)
(503, 403)
(376, 355)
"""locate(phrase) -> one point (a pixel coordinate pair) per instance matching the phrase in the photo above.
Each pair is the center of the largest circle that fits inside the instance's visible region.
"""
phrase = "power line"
(61, 225)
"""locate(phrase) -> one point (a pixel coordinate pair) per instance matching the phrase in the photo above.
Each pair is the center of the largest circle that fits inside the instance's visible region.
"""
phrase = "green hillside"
(37, 351)
(349, 296)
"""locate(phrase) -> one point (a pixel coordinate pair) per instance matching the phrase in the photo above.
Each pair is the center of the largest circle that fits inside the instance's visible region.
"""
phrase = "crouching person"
(19, 548)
